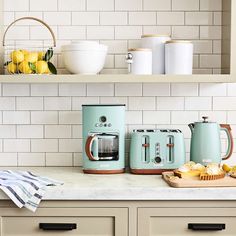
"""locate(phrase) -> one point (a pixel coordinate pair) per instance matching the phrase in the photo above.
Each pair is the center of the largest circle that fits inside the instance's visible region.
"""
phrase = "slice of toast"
(189, 174)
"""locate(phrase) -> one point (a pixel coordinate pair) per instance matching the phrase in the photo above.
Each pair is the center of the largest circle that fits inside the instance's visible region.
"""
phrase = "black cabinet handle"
(57, 226)
(212, 227)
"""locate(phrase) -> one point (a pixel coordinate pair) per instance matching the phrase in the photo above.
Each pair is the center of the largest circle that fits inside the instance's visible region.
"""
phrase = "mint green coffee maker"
(103, 139)
(206, 142)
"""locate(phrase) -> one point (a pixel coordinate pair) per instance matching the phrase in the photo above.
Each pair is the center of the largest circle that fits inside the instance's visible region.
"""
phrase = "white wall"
(40, 125)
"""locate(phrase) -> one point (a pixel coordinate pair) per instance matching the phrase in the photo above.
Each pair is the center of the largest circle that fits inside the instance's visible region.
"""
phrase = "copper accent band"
(231, 141)
(146, 145)
(87, 148)
(104, 172)
(149, 171)
(170, 145)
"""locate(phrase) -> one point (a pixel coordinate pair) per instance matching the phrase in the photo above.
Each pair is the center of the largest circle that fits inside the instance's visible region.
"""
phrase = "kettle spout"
(191, 126)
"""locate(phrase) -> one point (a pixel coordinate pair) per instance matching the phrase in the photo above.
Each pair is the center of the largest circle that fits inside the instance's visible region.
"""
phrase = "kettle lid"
(205, 121)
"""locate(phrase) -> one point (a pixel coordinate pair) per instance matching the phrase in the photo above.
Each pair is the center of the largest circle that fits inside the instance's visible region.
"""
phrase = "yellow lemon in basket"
(11, 68)
(41, 67)
(24, 67)
(31, 57)
(41, 55)
(25, 52)
(17, 56)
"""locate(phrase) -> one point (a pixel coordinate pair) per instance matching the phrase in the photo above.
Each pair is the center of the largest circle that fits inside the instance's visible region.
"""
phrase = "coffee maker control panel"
(103, 122)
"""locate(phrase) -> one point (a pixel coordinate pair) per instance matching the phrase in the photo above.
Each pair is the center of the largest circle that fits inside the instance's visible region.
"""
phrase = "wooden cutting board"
(195, 182)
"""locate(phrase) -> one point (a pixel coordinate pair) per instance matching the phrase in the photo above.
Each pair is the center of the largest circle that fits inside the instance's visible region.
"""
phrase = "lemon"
(31, 57)
(11, 68)
(226, 168)
(25, 52)
(24, 67)
(17, 56)
(41, 67)
(41, 55)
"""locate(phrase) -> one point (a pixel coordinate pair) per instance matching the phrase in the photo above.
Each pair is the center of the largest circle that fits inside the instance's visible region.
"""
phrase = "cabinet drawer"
(186, 221)
(88, 221)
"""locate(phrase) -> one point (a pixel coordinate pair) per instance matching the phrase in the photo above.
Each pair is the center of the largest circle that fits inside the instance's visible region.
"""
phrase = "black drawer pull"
(57, 226)
(212, 227)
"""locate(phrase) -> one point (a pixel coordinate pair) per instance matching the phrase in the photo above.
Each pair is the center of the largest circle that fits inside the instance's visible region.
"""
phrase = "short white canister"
(157, 44)
(179, 57)
(140, 61)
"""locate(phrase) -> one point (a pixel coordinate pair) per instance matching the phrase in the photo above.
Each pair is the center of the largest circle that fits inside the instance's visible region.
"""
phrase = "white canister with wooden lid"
(179, 57)
(156, 43)
(140, 61)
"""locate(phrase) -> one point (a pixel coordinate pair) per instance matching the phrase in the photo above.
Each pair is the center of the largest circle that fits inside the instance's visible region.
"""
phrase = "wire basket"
(28, 58)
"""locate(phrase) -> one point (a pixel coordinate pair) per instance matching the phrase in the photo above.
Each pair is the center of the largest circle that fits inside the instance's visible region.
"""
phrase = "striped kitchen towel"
(24, 188)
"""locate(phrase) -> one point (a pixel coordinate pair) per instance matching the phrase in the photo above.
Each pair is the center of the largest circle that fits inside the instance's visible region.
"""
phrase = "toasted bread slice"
(189, 174)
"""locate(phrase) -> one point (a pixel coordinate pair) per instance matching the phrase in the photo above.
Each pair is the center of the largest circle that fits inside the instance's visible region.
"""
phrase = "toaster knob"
(157, 159)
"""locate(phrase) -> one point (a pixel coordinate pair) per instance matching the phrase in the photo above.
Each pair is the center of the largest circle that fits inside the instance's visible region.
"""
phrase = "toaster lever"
(170, 145)
(145, 145)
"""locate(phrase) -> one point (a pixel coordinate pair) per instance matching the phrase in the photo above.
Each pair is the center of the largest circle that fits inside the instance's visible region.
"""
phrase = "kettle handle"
(88, 147)
(227, 129)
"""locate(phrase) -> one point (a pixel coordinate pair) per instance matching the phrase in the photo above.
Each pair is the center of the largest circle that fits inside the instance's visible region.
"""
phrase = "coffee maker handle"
(227, 129)
(88, 148)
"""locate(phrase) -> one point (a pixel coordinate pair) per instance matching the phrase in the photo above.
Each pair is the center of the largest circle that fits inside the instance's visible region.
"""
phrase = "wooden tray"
(195, 182)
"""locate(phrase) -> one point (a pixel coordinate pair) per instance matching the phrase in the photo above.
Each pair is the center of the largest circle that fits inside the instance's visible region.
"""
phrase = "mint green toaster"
(155, 151)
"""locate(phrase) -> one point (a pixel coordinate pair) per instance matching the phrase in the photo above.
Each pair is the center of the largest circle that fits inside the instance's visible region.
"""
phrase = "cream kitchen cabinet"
(64, 221)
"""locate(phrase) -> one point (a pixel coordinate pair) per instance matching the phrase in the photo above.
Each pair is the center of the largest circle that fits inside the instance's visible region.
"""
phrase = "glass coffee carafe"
(103, 147)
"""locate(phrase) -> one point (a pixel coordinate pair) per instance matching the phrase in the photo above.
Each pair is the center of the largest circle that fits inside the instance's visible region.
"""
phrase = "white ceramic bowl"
(85, 57)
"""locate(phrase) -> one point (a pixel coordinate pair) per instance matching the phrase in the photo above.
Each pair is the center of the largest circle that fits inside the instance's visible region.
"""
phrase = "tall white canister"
(156, 43)
(140, 61)
(179, 57)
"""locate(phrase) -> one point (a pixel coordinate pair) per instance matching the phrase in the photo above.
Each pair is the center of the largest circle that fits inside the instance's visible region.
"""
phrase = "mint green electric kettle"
(206, 142)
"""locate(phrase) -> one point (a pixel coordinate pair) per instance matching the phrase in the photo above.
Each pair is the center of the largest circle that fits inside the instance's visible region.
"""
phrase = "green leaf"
(6, 63)
(32, 67)
(52, 68)
(48, 55)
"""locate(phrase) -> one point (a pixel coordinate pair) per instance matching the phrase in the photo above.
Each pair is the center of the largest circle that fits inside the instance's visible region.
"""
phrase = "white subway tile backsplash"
(145, 18)
(131, 5)
(29, 103)
(100, 5)
(156, 117)
(133, 117)
(16, 90)
(29, 131)
(198, 103)
(209, 61)
(142, 103)
(181, 89)
(7, 131)
(59, 159)
(16, 117)
(114, 100)
(8, 159)
(116, 46)
(71, 5)
(85, 18)
(198, 18)
(224, 103)
(77, 131)
(44, 145)
(183, 117)
(185, 32)
(211, 5)
(128, 89)
(7, 103)
(113, 18)
(77, 102)
(15, 5)
(72, 90)
(157, 5)
(16, 145)
(57, 131)
(215, 116)
(72, 32)
(77, 159)
(210, 89)
(43, 5)
(70, 145)
(57, 18)
(231, 89)
(31, 159)
(128, 32)
(170, 103)
(44, 117)
(57, 103)
(44, 89)
(210, 32)
(185, 5)
(70, 117)
(159, 89)
(98, 32)
(94, 90)
(170, 18)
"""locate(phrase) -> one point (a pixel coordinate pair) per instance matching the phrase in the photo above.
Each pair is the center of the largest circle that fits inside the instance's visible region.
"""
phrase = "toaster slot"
(170, 149)
(145, 149)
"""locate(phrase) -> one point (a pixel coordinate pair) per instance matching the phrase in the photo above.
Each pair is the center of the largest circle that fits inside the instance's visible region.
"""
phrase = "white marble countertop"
(79, 186)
